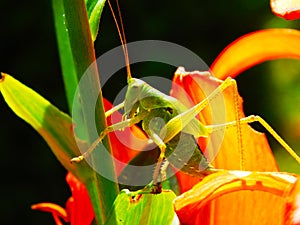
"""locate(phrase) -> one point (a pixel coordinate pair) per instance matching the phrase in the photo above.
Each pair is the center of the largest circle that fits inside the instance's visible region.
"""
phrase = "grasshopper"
(169, 123)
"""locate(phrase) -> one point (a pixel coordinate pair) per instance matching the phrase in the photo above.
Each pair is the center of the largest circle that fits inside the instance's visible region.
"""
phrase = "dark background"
(31, 173)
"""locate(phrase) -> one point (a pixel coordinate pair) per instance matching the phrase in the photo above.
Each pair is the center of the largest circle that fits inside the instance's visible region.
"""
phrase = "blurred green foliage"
(31, 173)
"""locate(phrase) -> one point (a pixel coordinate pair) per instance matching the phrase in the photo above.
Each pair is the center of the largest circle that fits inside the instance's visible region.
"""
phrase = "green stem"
(102, 191)
(65, 52)
(77, 54)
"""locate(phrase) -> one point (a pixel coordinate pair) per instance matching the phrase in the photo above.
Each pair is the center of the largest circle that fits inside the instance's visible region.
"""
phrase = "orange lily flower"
(258, 197)
(78, 209)
(239, 197)
(257, 156)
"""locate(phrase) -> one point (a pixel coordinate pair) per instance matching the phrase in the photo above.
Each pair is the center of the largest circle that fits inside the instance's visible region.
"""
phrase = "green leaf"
(76, 29)
(57, 130)
(52, 124)
(94, 9)
(65, 51)
(146, 209)
(75, 44)
(77, 54)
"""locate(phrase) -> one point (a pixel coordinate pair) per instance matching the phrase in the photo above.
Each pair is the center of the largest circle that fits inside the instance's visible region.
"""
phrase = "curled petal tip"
(53, 208)
(2, 77)
(255, 48)
(287, 9)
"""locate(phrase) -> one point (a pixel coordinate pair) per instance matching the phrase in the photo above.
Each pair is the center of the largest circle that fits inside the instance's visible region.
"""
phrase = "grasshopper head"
(133, 96)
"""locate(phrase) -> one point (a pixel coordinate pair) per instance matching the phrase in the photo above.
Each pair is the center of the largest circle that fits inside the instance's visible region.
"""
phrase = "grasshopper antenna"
(121, 34)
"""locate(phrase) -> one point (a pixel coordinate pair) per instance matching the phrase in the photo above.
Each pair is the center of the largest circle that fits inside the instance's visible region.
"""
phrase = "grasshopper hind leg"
(184, 153)
(161, 158)
(251, 119)
(157, 186)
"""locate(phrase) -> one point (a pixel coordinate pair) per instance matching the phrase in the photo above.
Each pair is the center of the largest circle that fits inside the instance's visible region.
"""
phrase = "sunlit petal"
(79, 207)
(256, 151)
(254, 48)
(237, 197)
(287, 9)
(292, 215)
(127, 143)
(56, 210)
(222, 148)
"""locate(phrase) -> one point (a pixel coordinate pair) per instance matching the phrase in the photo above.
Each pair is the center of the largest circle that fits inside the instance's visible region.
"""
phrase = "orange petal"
(254, 48)
(79, 207)
(186, 182)
(222, 148)
(78, 210)
(287, 9)
(237, 197)
(256, 154)
(125, 144)
(56, 210)
(292, 213)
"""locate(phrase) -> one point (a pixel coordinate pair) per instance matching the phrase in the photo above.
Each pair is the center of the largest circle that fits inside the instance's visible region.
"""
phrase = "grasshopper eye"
(170, 110)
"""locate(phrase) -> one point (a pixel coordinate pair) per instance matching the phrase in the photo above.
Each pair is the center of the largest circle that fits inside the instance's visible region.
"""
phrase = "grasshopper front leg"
(114, 109)
(118, 126)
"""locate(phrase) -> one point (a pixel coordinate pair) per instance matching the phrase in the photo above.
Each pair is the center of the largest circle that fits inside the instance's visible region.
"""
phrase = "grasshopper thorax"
(141, 97)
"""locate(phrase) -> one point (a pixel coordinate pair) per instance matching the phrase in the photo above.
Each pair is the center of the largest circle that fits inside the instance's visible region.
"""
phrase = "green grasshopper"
(167, 122)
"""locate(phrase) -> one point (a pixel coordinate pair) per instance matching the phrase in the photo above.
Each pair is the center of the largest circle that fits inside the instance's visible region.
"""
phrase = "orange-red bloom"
(240, 197)
(254, 48)
(78, 209)
(222, 148)
(123, 139)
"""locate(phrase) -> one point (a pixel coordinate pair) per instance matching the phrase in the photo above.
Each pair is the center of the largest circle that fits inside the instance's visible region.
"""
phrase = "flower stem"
(77, 54)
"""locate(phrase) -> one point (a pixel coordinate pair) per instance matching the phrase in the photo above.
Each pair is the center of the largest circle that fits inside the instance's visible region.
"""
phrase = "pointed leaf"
(94, 10)
(52, 124)
(147, 209)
